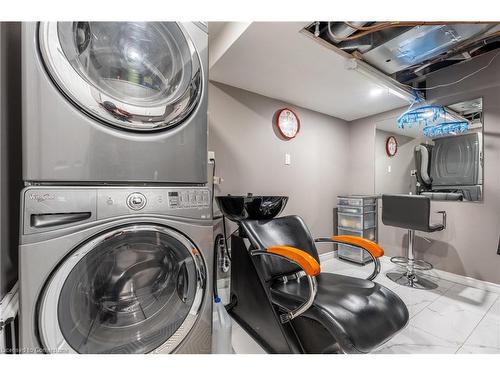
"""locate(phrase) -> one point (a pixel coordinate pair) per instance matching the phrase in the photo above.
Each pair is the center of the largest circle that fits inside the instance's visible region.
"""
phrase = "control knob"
(136, 201)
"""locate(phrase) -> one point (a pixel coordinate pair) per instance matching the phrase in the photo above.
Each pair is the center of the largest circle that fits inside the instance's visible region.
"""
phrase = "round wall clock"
(288, 123)
(391, 146)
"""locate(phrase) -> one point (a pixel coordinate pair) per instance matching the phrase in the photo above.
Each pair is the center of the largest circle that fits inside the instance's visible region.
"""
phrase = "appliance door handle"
(57, 219)
(182, 283)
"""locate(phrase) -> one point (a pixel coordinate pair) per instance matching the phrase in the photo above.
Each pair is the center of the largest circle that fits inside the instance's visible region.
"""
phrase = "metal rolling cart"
(357, 216)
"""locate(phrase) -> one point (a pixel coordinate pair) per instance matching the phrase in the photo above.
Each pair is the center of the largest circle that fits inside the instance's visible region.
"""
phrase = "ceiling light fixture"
(393, 86)
(377, 91)
(446, 128)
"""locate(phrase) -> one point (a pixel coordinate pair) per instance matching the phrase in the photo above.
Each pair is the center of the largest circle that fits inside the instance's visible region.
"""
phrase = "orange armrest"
(310, 265)
(373, 248)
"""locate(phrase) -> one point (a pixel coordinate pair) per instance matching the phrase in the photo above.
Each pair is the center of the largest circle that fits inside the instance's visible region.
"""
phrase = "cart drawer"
(356, 209)
(354, 221)
(366, 233)
(356, 201)
(353, 254)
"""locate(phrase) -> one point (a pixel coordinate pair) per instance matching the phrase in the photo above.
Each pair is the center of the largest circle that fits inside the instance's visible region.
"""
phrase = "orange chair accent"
(303, 259)
(372, 247)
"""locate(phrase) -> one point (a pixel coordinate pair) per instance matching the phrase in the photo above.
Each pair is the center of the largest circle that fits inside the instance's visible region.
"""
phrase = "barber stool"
(410, 212)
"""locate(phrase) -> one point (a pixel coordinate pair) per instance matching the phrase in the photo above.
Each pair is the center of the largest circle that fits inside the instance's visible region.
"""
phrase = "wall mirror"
(439, 154)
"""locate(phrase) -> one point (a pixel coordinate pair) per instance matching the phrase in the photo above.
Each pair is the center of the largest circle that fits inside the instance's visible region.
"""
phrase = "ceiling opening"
(408, 51)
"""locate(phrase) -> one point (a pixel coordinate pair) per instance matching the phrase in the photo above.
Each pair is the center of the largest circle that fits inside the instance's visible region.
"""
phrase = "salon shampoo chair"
(411, 212)
(281, 298)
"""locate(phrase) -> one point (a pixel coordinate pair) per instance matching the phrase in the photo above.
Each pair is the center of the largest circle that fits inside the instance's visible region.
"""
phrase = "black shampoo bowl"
(251, 207)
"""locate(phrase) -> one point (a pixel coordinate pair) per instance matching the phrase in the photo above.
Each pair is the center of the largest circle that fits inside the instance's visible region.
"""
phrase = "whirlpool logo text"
(42, 197)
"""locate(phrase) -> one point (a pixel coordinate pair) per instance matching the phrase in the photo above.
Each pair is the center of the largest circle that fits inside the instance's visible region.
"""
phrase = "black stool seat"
(360, 314)
(408, 212)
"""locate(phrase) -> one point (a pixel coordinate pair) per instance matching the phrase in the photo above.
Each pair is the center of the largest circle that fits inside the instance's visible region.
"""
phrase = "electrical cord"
(213, 186)
(215, 265)
(459, 80)
(225, 237)
(216, 259)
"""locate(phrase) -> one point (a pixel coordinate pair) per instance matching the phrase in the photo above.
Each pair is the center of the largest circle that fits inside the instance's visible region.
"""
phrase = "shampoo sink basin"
(251, 207)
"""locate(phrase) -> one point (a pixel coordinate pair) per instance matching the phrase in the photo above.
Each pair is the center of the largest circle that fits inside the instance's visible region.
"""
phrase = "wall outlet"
(211, 155)
(288, 159)
(218, 180)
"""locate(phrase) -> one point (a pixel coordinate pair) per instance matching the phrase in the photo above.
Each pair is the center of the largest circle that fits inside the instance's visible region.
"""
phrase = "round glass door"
(140, 76)
(135, 289)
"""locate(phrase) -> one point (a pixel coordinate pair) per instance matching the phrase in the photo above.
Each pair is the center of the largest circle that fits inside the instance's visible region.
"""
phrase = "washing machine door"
(138, 76)
(134, 289)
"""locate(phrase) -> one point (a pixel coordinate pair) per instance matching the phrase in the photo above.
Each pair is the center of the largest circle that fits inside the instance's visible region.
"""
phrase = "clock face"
(391, 146)
(288, 123)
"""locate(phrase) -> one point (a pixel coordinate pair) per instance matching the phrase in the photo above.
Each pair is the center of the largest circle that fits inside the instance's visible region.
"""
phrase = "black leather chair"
(282, 299)
(411, 212)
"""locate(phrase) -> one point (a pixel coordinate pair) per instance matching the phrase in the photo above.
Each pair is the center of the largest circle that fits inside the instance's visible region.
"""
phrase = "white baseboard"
(458, 279)
(327, 256)
(445, 275)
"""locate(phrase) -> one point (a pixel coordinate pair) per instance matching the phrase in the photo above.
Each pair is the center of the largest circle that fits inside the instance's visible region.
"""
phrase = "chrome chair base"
(419, 265)
(411, 280)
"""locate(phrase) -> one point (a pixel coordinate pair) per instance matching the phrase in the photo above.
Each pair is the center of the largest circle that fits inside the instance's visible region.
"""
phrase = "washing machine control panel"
(49, 208)
(189, 202)
(189, 199)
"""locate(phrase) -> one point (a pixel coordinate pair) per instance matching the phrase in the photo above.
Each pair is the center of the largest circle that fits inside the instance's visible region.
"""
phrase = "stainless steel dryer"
(115, 102)
(116, 270)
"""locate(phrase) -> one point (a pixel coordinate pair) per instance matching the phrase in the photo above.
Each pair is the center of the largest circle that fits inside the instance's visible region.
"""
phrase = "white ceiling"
(276, 60)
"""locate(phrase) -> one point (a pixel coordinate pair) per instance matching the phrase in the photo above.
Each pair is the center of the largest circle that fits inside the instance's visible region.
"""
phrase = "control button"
(136, 201)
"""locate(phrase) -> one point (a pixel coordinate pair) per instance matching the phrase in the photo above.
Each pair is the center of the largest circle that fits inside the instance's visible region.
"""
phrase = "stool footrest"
(419, 265)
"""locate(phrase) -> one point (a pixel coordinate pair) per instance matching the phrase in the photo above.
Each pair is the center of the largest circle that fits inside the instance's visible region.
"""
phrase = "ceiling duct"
(338, 31)
(408, 51)
(419, 44)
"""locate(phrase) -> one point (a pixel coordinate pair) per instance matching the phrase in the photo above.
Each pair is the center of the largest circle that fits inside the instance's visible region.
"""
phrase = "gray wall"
(468, 246)
(399, 179)
(10, 151)
(250, 156)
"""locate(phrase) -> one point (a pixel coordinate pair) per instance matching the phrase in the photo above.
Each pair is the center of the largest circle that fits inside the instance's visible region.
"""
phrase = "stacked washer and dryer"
(116, 245)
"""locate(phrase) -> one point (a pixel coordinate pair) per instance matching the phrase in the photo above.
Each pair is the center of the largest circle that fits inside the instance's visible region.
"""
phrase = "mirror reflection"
(432, 150)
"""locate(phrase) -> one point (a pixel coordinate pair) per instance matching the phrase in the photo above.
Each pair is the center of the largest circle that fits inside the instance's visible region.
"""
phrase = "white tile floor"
(450, 319)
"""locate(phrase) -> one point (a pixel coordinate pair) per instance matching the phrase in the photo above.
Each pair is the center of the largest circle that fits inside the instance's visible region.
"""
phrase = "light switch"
(388, 169)
(288, 159)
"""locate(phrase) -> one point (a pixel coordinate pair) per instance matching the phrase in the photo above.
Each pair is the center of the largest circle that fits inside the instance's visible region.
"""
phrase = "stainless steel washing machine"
(115, 102)
(116, 270)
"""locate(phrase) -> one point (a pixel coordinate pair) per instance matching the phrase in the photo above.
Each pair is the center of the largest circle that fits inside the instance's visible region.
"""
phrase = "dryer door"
(139, 76)
(134, 289)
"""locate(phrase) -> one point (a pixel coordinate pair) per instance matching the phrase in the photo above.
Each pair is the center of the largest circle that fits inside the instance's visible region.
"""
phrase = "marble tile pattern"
(453, 318)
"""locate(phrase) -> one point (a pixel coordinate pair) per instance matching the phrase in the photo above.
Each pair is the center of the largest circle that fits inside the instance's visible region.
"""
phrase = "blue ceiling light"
(435, 120)
(445, 128)
(424, 115)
